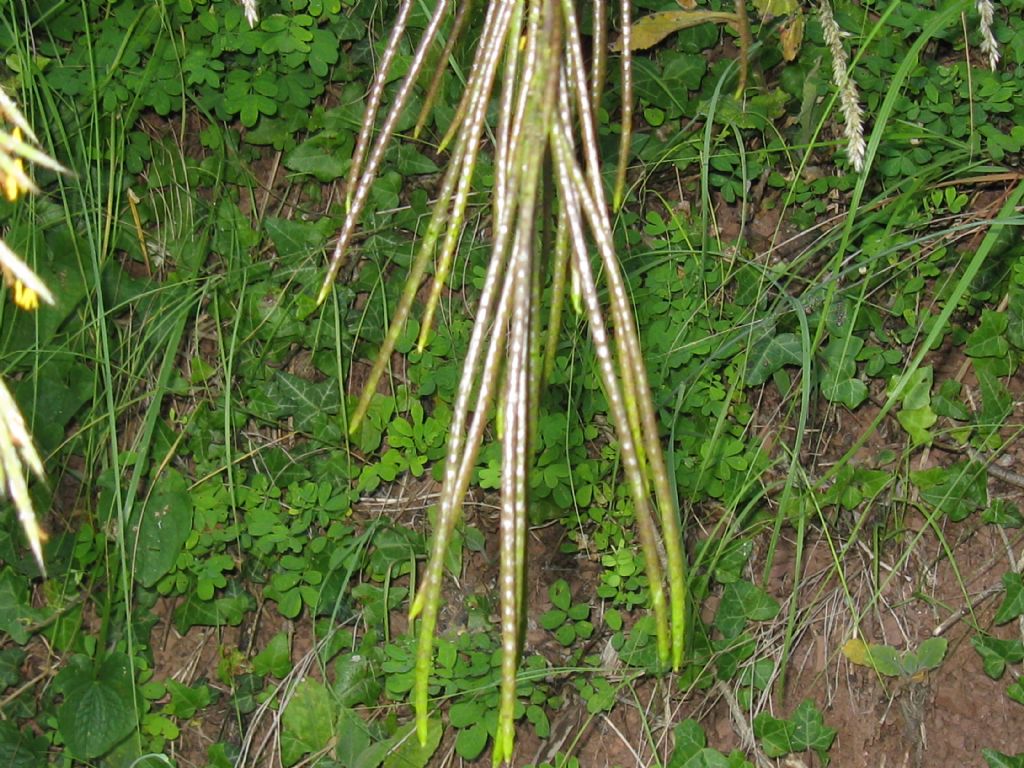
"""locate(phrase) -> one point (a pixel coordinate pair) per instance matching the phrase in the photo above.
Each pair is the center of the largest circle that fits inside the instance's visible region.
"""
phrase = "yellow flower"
(10, 181)
(25, 297)
(26, 288)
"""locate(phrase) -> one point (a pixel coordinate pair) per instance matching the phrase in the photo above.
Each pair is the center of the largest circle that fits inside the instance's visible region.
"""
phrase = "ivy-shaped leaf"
(1013, 603)
(307, 724)
(769, 354)
(997, 653)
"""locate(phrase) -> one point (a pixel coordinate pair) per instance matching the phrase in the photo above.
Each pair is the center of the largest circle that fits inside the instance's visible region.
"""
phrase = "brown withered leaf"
(652, 29)
(792, 36)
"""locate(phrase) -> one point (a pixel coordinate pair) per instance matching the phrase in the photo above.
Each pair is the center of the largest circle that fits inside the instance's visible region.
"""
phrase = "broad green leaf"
(848, 392)
(353, 737)
(295, 238)
(886, 660)
(410, 162)
(165, 526)
(325, 156)
(219, 612)
(809, 729)
(307, 724)
(403, 750)
(470, 742)
(15, 612)
(186, 701)
(10, 666)
(741, 601)
(956, 490)
(930, 653)
(690, 740)
(1003, 512)
(21, 747)
(731, 653)
(917, 391)
(98, 708)
(1015, 691)
(999, 760)
(776, 735)
(917, 422)
(996, 399)
(771, 353)
(275, 659)
(1013, 603)
(355, 681)
(989, 339)
(652, 29)
(464, 713)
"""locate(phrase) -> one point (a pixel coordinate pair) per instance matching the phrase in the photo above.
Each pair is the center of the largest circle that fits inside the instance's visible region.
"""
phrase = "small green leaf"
(553, 619)
(561, 596)
(539, 718)
(579, 611)
(566, 634)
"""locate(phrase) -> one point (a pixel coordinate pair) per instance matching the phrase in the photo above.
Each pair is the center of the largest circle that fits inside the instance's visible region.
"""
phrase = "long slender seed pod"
(362, 188)
(461, 17)
(460, 166)
(599, 61)
(626, 137)
(620, 312)
(457, 475)
(419, 267)
(669, 517)
(570, 182)
(373, 100)
(512, 451)
(559, 267)
(477, 113)
(488, 40)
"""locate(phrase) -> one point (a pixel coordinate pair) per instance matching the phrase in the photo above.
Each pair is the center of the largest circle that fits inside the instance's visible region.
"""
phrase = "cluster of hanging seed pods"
(547, 188)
